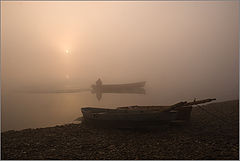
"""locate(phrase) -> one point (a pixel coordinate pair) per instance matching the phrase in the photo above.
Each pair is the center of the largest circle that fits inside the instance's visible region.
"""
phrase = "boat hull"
(124, 118)
(124, 123)
(119, 88)
(130, 88)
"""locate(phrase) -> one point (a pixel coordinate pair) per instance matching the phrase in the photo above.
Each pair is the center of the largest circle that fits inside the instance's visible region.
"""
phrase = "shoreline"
(204, 138)
(77, 122)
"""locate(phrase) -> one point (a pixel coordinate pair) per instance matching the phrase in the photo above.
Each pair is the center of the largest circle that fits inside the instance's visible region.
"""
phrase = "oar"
(56, 91)
(172, 107)
(185, 103)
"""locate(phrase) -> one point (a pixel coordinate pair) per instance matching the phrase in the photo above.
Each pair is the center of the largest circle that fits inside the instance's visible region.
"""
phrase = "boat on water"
(99, 89)
(140, 116)
(131, 88)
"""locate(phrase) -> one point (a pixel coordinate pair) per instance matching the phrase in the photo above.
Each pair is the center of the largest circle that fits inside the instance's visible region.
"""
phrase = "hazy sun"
(67, 51)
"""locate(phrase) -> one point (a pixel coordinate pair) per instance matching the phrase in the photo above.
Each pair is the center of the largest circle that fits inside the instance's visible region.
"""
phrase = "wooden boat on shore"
(140, 116)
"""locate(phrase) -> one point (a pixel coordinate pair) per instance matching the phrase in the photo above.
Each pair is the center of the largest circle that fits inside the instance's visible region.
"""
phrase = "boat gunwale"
(106, 111)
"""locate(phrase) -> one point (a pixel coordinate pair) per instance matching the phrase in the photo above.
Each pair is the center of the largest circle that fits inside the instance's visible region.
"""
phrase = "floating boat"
(130, 88)
(99, 89)
(140, 116)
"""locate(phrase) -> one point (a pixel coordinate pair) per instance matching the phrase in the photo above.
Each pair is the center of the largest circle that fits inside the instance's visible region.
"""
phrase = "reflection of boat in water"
(130, 88)
(140, 116)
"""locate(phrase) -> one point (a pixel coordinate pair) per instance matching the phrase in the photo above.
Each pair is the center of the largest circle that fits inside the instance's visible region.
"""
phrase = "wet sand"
(206, 137)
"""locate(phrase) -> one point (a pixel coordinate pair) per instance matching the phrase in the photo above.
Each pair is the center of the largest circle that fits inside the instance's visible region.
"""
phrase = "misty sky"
(182, 49)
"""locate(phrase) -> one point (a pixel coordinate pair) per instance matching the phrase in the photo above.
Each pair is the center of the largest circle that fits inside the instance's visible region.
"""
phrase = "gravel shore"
(206, 137)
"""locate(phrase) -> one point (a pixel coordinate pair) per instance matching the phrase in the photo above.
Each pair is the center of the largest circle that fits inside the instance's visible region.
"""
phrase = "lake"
(34, 110)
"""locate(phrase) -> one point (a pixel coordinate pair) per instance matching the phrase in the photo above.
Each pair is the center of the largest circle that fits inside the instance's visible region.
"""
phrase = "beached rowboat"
(139, 116)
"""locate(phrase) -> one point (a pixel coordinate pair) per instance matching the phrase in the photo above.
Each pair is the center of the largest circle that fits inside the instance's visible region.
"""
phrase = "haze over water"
(182, 50)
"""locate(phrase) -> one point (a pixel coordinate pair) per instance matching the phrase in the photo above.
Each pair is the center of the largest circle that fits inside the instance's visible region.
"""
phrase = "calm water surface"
(33, 110)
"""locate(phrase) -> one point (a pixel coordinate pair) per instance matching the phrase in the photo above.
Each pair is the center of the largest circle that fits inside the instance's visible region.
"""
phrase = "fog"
(182, 50)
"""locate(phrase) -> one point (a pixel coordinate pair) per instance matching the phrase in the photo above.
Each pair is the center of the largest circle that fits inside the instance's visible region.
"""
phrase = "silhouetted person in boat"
(99, 89)
(99, 82)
